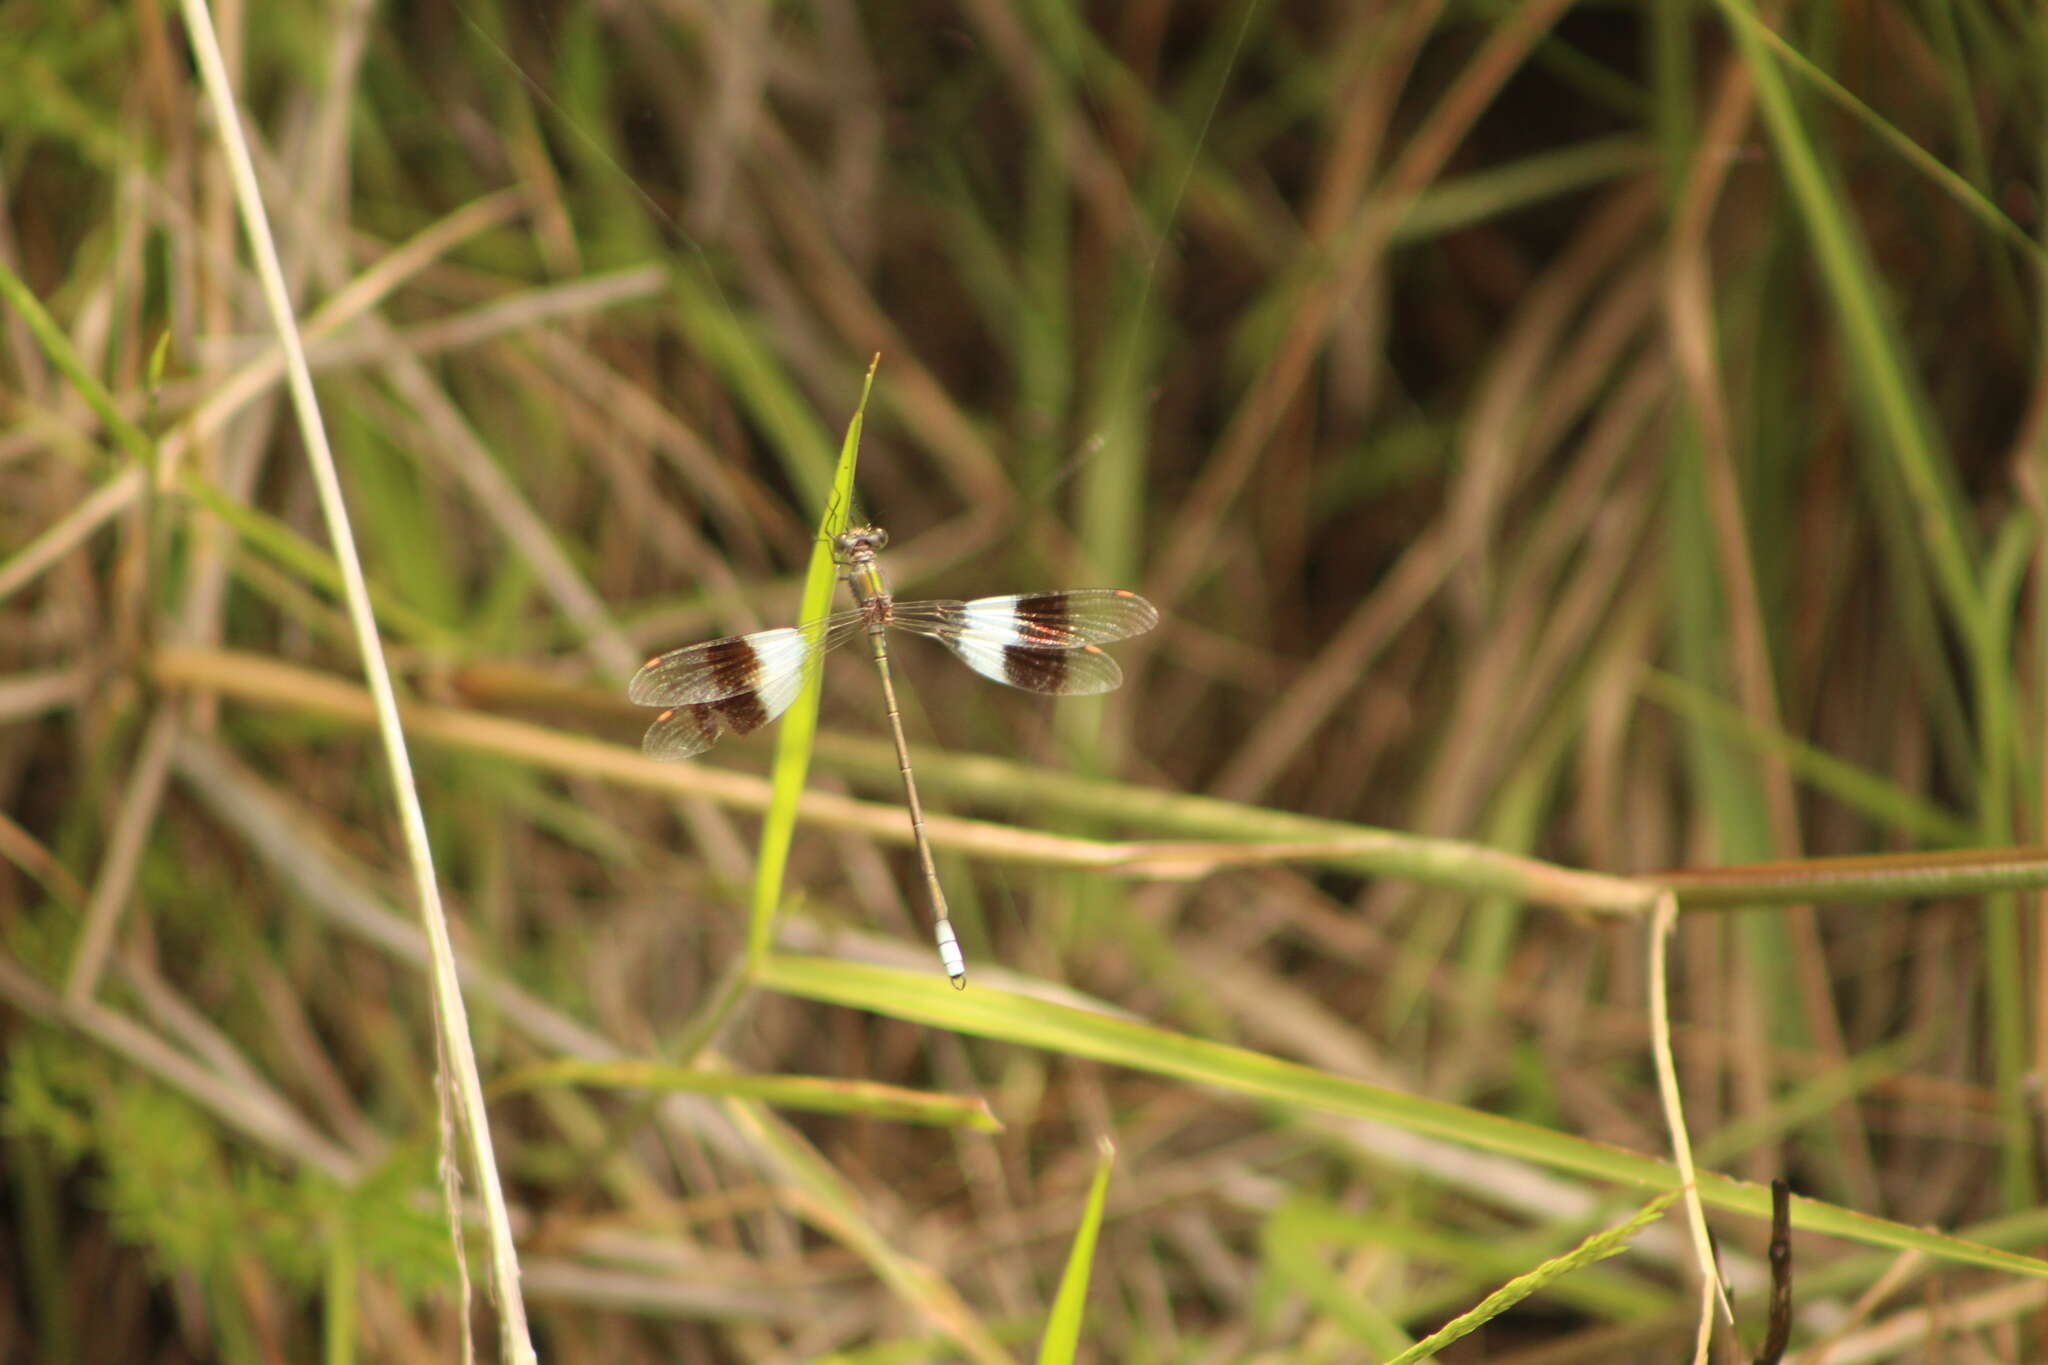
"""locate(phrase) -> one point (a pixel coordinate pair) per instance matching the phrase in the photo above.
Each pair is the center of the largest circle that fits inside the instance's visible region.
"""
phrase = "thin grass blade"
(800, 724)
(1063, 1327)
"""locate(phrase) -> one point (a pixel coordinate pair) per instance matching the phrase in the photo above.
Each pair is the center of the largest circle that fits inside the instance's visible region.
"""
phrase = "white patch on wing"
(993, 618)
(783, 679)
(778, 653)
(980, 653)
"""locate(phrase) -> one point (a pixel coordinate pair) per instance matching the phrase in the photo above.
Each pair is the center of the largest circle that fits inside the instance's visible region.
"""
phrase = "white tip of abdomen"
(950, 956)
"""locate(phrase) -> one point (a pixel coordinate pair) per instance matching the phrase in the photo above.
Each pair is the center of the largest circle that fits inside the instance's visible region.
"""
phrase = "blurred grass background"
(1608, 434)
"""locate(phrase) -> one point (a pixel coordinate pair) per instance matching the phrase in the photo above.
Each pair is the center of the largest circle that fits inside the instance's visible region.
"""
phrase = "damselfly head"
(851, 542)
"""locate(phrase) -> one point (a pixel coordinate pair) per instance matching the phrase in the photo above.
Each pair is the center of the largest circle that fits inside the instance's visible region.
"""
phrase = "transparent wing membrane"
(680, 732)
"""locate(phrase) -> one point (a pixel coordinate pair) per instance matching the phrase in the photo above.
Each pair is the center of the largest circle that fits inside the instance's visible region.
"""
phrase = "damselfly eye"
(878, 537)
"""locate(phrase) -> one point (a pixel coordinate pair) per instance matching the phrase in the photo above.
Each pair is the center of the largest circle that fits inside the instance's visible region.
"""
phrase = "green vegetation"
(1578, 454)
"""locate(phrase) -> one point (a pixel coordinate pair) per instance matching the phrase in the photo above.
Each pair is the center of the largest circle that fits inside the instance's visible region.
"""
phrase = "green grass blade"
(1063, 1327)
(1958, 188)
(770, 396)
(1598, 1247)
(1417, 1233)
(14, 291)
(815, 1094)
(338, 1340)
(800, 724)
(1292, 1255)
(1892, 402)
(1875, 797)
(1482, 196)
(989, 1013)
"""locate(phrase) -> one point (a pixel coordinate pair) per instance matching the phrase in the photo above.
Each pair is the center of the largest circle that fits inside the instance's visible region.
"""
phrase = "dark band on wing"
(684, 731)
(732, 665)
(1044, 615)
(1036, 670)
(742, 713)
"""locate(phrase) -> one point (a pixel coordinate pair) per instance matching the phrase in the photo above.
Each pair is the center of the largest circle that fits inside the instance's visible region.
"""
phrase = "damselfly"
(1040, 642)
